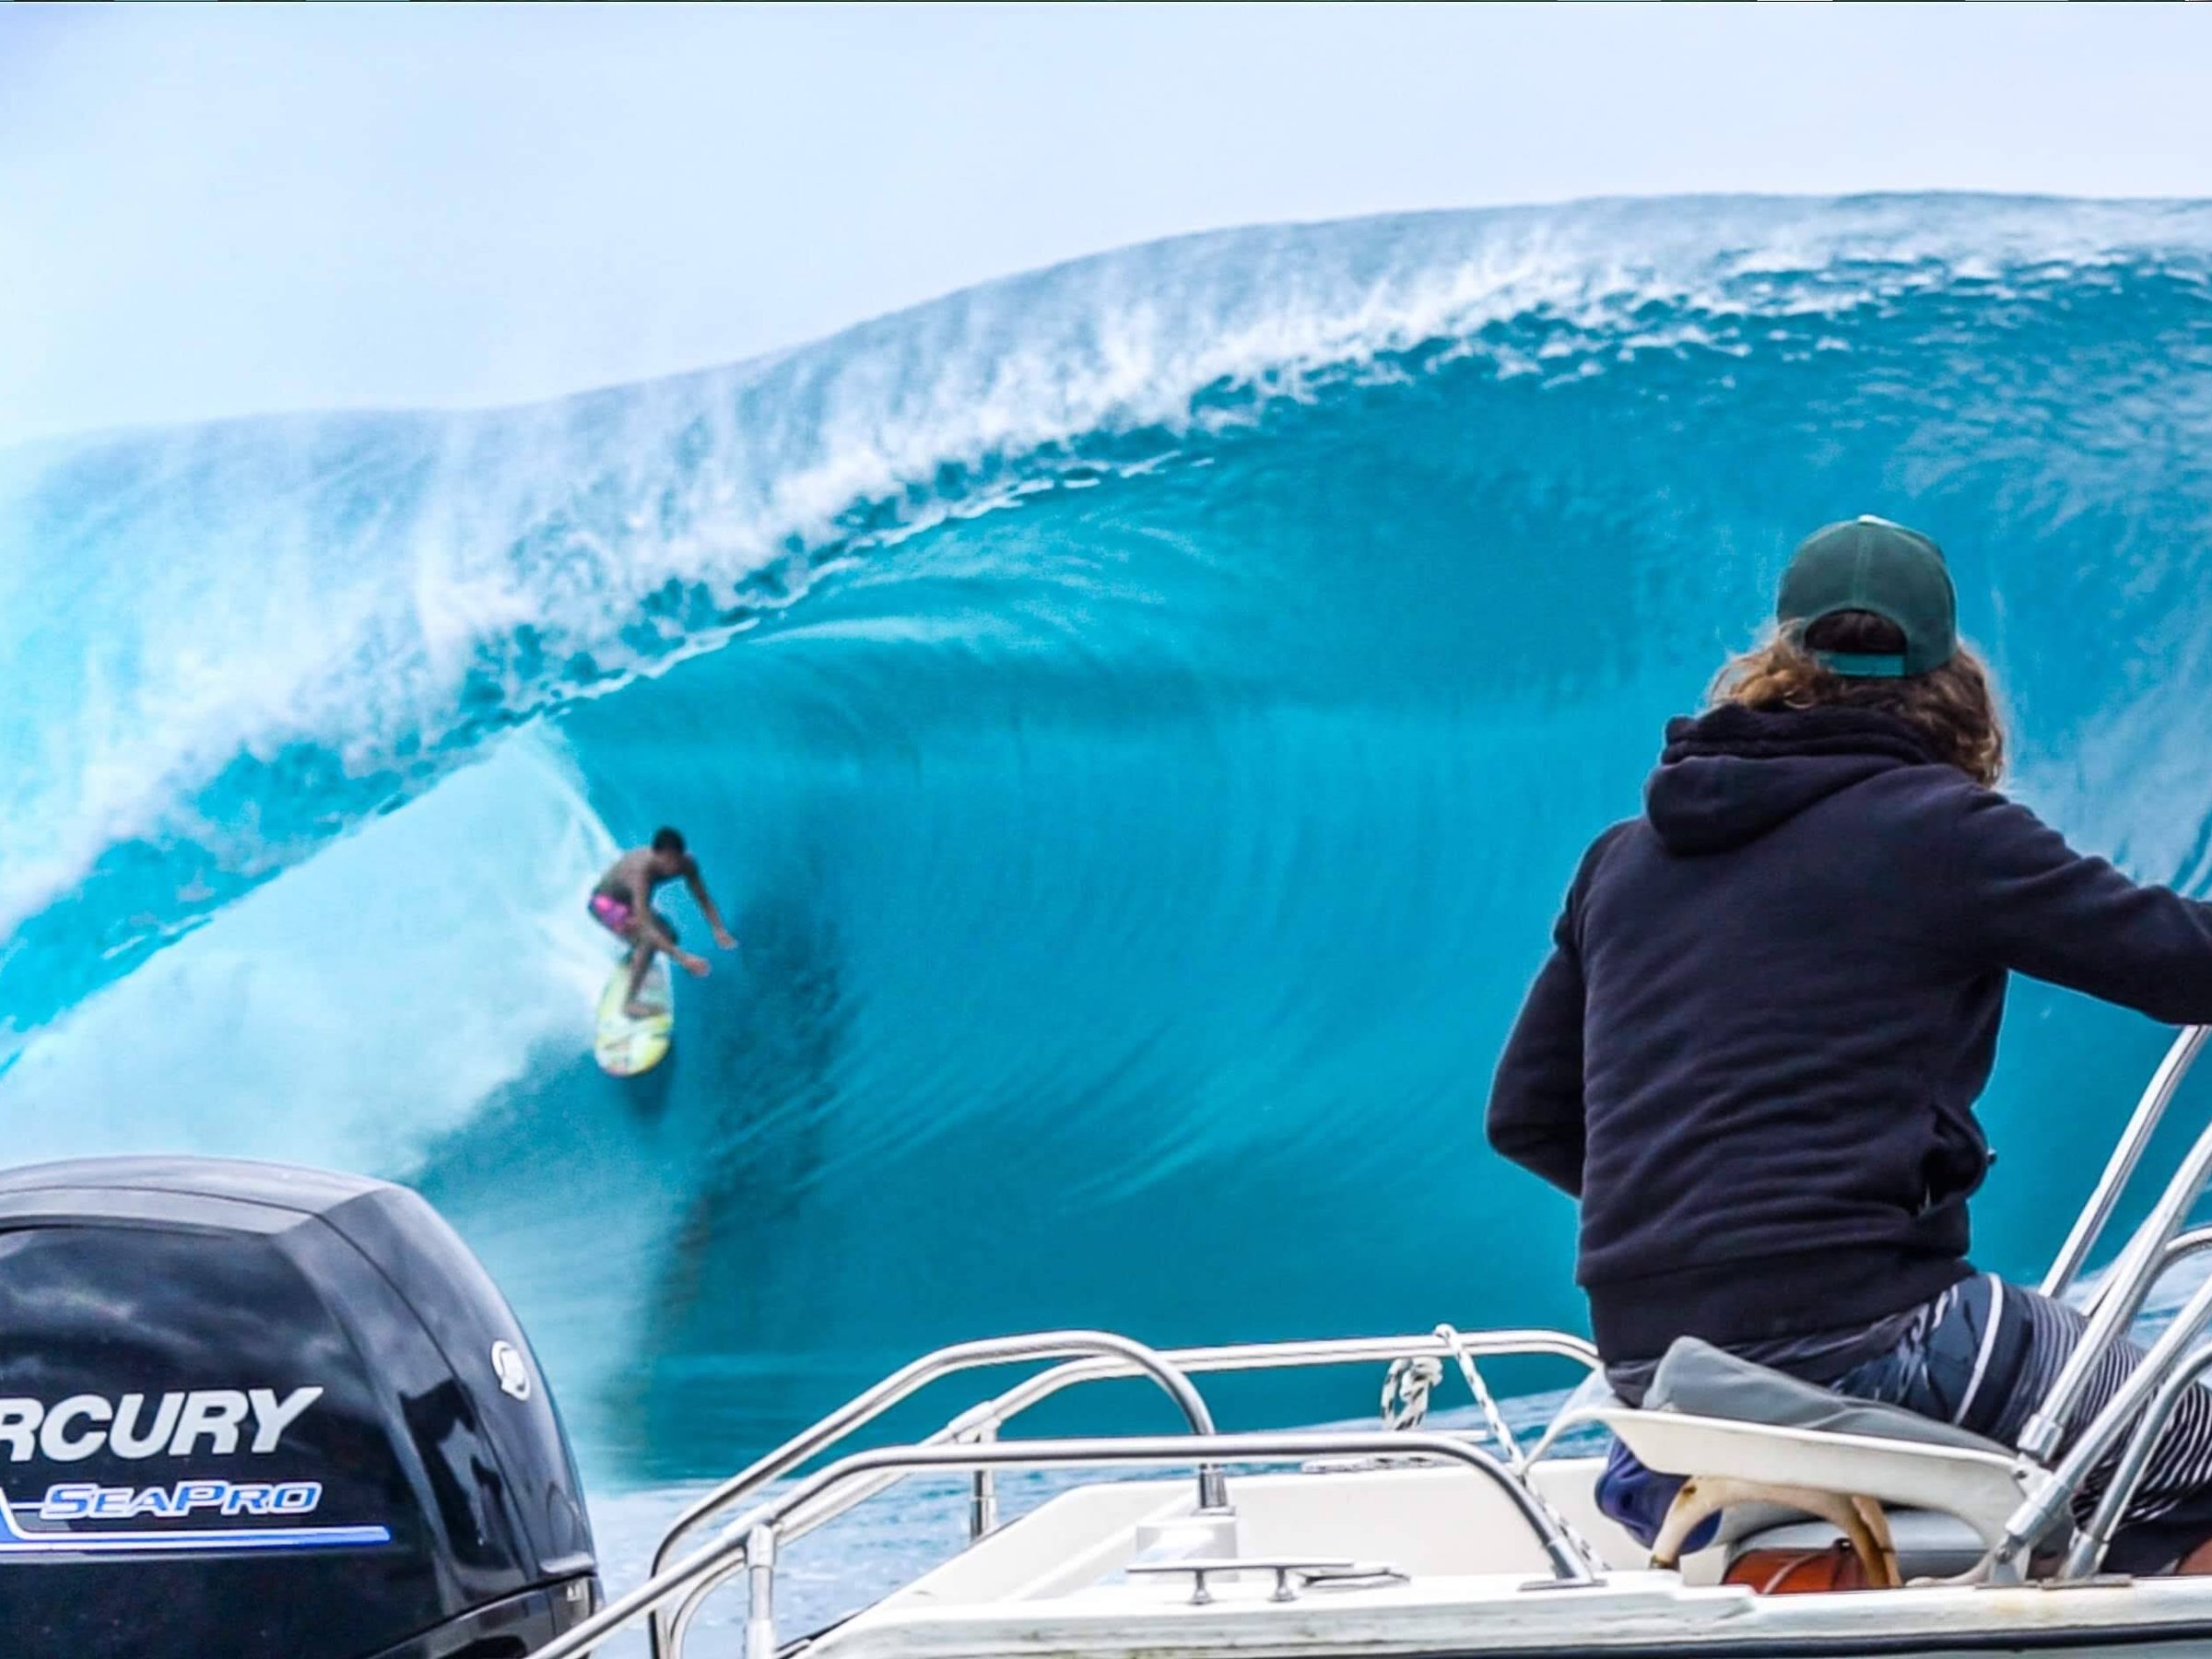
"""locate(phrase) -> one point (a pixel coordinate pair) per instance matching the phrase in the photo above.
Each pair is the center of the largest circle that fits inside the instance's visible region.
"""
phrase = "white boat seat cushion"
(1711, 1416)
(1703, 1381)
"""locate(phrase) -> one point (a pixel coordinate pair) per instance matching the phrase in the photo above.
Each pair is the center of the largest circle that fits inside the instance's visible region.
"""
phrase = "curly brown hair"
(1954, 707)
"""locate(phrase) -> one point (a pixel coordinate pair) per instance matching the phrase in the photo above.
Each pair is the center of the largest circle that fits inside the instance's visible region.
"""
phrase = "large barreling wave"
(1140, 718)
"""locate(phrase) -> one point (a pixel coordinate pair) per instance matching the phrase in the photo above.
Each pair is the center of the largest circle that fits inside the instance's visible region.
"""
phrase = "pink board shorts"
(611, 913)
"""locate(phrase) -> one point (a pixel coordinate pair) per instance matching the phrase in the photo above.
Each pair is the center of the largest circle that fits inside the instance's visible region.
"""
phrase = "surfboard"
(624, 1046)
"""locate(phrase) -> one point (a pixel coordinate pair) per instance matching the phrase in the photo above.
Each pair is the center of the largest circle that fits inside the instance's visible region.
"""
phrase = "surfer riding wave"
(622, 903)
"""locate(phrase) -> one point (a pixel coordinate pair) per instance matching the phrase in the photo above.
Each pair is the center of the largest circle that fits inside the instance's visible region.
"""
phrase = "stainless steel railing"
(2136, 1414)
(2178, 1249)
(2090, 1542)
(1131, 1358)
(2050, 1492)
(750, 1542)
(988, 1418)
(2145, 1257)
(2157, 1095)
(983, 1422)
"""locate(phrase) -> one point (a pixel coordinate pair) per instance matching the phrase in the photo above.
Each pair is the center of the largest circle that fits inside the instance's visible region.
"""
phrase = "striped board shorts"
(1983, 1355)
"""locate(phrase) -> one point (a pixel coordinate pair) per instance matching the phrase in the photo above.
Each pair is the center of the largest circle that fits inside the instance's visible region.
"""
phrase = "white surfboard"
(626, 1046)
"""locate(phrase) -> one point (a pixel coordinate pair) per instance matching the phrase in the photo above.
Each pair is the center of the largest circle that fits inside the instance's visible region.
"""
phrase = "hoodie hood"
(1732, 775)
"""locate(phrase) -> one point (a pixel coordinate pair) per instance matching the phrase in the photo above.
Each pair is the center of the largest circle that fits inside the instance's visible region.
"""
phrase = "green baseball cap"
(1870, 564)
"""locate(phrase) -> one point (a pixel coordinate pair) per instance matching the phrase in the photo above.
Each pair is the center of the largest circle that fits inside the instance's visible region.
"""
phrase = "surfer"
(1754, 1053)
(622, 903)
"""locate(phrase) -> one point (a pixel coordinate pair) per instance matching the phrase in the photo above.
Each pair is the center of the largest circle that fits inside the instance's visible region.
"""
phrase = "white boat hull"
(1055, 1585)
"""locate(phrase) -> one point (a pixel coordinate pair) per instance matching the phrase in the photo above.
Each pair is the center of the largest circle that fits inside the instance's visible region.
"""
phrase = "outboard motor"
(253, 1412)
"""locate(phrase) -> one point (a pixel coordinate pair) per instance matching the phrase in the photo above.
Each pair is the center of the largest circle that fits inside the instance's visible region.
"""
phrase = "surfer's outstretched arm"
(706, 905)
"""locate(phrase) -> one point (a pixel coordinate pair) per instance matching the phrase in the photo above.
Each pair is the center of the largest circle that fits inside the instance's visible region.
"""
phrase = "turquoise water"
(1139, 717)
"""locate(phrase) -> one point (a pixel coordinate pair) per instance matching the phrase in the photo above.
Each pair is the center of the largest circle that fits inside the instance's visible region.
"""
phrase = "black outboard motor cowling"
(255, 1412)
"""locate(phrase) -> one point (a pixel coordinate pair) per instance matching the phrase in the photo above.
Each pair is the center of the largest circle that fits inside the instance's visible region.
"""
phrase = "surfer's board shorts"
(614, 915)
(1983, 1355)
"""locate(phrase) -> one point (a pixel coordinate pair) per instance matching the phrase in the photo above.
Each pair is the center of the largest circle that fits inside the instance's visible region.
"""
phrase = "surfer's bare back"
(622, 903)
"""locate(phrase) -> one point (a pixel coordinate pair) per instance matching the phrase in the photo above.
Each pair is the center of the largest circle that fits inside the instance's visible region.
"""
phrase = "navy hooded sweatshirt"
(1753, 1051)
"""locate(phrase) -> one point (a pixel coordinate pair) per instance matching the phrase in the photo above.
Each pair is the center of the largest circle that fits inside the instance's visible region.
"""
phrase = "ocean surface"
(1139, 717)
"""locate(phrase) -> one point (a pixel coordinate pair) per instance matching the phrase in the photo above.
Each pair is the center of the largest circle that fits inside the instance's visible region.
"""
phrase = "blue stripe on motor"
(15, 1541)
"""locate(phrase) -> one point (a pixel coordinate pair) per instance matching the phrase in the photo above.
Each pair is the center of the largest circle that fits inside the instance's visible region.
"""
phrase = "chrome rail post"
(1213, 1488)
(910, 1379)
(708, 1566)
(761, 1611)
(2050, 1492)
(983, 1496)
(2073, 1255)
(2139, 1265)
(2094, 1539)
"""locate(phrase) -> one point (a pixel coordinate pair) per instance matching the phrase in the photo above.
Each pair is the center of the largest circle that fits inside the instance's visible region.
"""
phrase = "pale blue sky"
(209, 212)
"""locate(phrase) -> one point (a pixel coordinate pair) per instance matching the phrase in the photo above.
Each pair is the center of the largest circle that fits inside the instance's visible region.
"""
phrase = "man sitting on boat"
(1772, 1000)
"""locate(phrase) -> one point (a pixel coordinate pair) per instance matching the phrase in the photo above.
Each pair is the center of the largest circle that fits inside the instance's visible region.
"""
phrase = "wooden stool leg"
(1883, 1563)
(1861, 1519)
(1691, 1507)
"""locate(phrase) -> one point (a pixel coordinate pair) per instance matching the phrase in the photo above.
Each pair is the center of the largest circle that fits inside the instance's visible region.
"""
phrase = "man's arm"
(1535, 1116)
(699, 891)
(2025, 899)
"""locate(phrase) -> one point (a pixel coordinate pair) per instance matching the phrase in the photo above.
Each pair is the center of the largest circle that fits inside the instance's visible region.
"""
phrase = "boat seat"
(1764, 1450)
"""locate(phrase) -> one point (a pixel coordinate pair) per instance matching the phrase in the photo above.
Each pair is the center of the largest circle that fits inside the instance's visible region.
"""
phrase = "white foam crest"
(232, 589)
